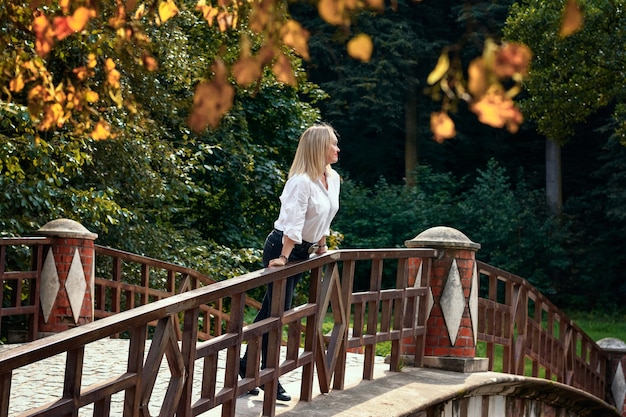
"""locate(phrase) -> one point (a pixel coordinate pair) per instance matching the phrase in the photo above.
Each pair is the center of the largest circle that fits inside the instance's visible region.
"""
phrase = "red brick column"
(615, 371)
(453, 316)
(67, 277)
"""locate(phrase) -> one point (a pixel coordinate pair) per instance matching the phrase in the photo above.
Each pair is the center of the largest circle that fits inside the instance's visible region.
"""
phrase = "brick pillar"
(451, 327)
(66, 284)
(615, 372)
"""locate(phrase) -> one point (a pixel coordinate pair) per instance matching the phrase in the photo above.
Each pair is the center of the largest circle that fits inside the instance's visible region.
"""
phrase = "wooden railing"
(175, 318)
(526, 334)
(125, 280)
(21, 261)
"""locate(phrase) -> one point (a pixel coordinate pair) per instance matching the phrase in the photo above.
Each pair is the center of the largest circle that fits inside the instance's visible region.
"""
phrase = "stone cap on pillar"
(612, 344)
(66, 228)
(442, 237)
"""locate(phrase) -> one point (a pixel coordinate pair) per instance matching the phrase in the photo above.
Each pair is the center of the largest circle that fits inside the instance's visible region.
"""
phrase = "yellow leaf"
(91, 96)
(477, 78)
(297, 37)
(572, 19)
(360, 47)
(167, 10)
(101, 131)
(79, 19)
(91, 60)
(442, 67)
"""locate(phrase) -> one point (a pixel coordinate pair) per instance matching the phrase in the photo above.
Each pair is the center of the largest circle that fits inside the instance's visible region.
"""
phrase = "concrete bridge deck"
(389, 394)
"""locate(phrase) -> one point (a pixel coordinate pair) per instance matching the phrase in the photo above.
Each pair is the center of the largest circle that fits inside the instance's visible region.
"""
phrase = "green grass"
(601, 325)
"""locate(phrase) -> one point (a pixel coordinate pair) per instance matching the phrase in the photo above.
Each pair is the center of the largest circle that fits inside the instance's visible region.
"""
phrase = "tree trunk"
(554, 194)
(410, 141)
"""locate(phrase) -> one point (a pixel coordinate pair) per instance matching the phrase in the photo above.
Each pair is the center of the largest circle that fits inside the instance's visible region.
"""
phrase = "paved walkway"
(389, 394)
(42, 382)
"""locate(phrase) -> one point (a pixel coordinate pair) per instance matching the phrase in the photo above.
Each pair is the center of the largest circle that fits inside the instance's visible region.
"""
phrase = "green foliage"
(41, 179)
(386, 215)
(515, 231)
(571, 78)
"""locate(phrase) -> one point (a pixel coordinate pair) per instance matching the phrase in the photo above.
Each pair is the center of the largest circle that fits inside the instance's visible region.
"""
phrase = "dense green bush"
(506, 217)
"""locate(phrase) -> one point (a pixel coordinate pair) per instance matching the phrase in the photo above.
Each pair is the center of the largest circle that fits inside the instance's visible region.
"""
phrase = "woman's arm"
(288, 245)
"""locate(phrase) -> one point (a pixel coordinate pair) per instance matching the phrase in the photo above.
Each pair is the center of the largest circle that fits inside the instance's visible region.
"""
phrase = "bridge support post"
(452, 323)
(615, 371)
(67, 277)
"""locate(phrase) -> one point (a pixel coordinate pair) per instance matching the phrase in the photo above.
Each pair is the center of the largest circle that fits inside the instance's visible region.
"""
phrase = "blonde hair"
(313, 146)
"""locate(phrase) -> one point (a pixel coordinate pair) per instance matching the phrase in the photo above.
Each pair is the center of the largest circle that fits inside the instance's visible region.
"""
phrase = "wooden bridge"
(443, 303)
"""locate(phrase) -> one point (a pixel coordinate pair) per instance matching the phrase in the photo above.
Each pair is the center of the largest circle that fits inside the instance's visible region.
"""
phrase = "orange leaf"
(224, 20)
(283, 71)
(442, 126)
(62, 28)
(209, 13)
(497, 110)
(296, 37)
(52, 116)
(511, 59)
(44, 35)
(332, 11)
(246, 71)
(260, 15)
(211, 100)
(572, 19)
(150, 63)
(376, 4)
(16, 84)
(167, 10)
(360, 47)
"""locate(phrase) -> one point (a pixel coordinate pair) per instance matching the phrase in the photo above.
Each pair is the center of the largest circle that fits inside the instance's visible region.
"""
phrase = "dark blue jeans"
(271, 250)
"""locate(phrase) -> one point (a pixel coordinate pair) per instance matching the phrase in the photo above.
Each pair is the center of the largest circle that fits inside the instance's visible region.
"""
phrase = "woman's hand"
(321, 250)
(280, 261)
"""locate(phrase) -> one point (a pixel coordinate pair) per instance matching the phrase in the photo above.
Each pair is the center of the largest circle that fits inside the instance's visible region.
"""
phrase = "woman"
(309, 202)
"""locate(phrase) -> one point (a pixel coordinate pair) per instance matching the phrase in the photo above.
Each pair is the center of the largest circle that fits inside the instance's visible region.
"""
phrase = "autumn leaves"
(79, 94)
(484, 90)
(214, 98)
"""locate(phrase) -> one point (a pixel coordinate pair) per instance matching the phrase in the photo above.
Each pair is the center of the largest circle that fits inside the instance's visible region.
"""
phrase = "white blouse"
(307, 207)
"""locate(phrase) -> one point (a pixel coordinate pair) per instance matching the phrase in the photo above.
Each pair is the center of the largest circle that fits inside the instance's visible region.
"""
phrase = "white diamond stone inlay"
(473, 303)
(453, 302)
(618, 387)
(49, 285)
(430, 302)
(75, 285)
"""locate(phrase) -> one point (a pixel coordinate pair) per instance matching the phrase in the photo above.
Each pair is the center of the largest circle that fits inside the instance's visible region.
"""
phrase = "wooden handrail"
(535, 337)
(176, 318)
(516, 322)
